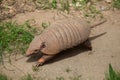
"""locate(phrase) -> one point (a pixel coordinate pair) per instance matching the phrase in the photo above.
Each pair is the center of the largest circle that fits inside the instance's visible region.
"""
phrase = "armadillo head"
(34, 46)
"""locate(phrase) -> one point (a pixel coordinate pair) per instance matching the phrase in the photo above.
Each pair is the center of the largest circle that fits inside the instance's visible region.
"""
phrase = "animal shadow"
(68, 53)
(34, 57)
(62, 55)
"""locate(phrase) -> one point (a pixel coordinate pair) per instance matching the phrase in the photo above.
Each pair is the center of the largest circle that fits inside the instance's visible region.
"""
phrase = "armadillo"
(60, 36)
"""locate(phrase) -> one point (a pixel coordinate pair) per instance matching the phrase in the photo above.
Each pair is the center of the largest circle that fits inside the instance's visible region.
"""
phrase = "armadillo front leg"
(43, 59)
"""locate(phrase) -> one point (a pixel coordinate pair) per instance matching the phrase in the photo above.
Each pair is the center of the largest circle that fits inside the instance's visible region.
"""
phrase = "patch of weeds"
(45, 25)
(14, 38)
(54, 4)
(65, 5)
(113, 75)
(76, 78)
(3, 77)
(6, 7)
(35, 69)
(68, 70)
(91, 12)
(43, 4)
(94, 10)
(116, 4)
(28, 77)
(1, 1)
(60, 78)
(79, 4)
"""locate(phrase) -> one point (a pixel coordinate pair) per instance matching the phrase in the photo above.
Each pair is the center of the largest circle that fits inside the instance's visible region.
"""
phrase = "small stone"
(108, 1)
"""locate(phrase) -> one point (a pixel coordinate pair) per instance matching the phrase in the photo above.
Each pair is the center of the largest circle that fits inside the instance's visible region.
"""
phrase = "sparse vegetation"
(28, 77)
(68, 70)
(113, 75)
(34, 68)
(14, 38)
(54, 4)
(65, 5)
(76, 77)
(1, 0)
(116, 4)
(85, 6)
(70, 78)
(3, 77)
(60, 78)
(79, 4)
(45, 25)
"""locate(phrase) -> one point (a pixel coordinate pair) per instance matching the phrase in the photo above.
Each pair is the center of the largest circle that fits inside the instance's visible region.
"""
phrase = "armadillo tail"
(98, 23)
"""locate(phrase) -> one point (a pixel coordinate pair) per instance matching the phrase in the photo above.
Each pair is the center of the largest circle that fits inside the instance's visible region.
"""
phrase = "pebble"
(108, 1)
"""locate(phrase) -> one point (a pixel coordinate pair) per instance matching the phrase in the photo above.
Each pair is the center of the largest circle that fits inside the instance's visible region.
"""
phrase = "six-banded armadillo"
(59, 36)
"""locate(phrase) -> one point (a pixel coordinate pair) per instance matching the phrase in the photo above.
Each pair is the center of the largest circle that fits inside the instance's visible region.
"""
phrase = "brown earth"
(75, 62)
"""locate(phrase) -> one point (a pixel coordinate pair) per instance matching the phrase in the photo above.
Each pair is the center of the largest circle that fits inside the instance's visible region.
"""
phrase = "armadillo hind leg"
(43, 59)
(87, 44)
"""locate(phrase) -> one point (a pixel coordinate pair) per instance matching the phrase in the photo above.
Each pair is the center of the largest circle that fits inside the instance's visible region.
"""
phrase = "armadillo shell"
(64, 34)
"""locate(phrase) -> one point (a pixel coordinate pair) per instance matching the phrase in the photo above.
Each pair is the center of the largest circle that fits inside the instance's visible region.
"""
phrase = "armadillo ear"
(42, 45)
(36, 51)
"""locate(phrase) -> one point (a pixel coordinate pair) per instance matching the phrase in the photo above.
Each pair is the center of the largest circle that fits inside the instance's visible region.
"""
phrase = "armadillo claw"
(39, 64)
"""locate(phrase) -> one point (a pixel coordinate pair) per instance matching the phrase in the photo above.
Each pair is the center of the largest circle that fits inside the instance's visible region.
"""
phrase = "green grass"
(116, 4)
(1, 0)
(78, 77)
(79, 4)
(67, 6)
(70, 78)
(14, 38)
(113, 75)
(35, 69)
(92, 12)
(64, 5)
(3, 77)
(54, 4)
(28, 77)
(60, 78)
(45, 25)
(68, 70)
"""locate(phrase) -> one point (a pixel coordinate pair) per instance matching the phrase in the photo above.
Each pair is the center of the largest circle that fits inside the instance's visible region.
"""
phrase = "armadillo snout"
(28, 54)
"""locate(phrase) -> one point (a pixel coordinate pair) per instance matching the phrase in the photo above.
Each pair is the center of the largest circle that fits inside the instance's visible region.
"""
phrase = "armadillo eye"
(35, 51)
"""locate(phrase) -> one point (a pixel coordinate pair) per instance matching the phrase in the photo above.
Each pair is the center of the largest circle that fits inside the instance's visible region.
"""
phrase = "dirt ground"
(75, 62)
